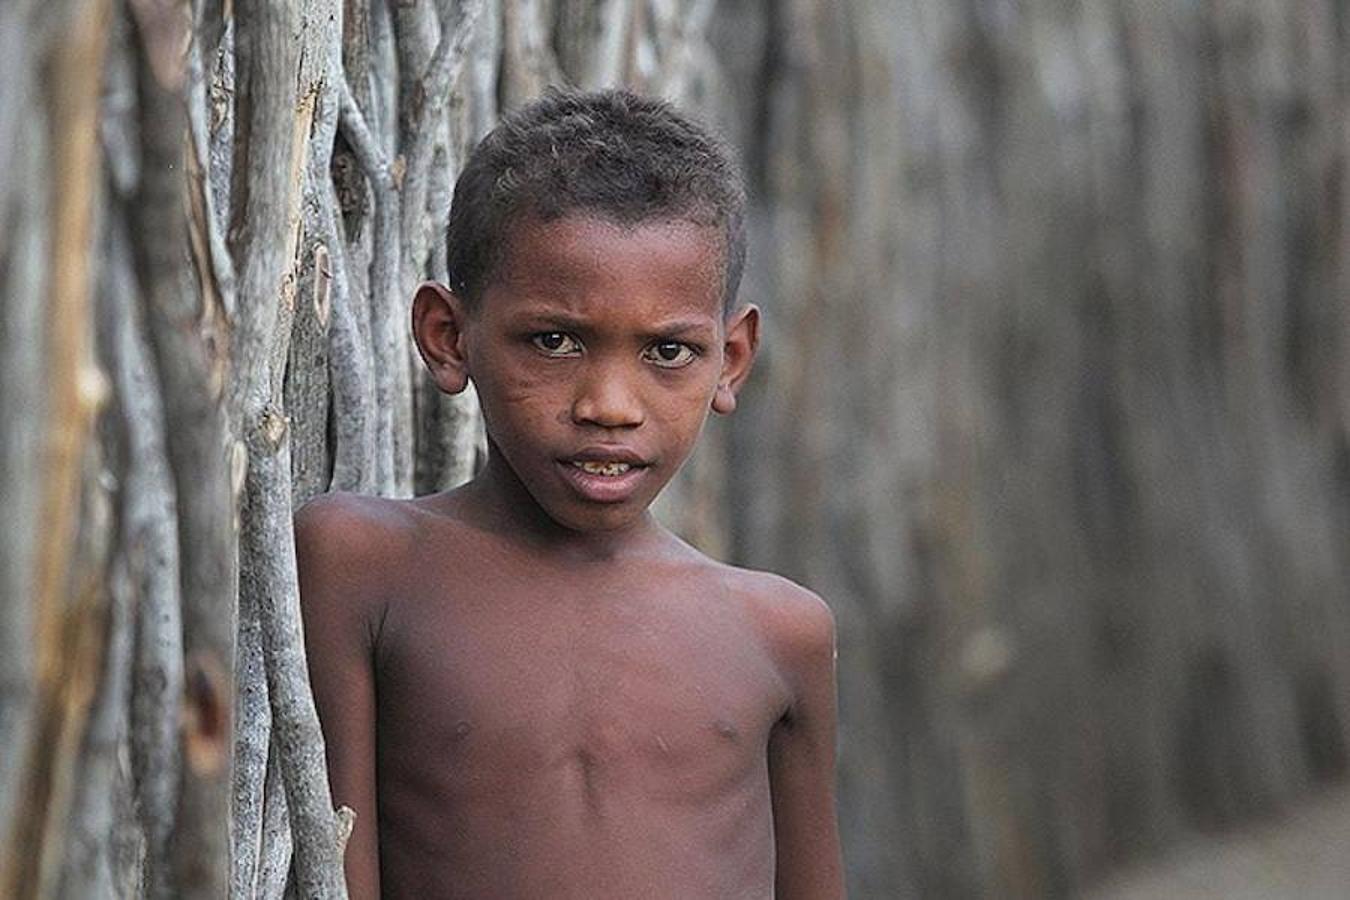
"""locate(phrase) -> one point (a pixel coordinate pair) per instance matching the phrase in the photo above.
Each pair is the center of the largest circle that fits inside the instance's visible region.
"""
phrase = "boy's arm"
(338, 646)
(802, 758)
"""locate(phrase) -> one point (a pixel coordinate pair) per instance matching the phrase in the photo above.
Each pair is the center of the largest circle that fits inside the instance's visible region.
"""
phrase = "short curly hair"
(611, 153)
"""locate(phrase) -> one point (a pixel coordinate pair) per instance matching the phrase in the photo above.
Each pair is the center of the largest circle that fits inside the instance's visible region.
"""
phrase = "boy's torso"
(592, 729)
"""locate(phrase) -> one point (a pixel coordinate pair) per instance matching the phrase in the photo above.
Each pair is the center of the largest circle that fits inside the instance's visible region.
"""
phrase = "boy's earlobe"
(438, 328)
(738, 354)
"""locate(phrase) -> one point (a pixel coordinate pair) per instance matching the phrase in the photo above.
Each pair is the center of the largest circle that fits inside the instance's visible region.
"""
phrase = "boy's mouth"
(605, 474)
(609, 467)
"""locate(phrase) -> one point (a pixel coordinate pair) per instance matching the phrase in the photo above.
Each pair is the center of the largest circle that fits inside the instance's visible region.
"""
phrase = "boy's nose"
(607, 400)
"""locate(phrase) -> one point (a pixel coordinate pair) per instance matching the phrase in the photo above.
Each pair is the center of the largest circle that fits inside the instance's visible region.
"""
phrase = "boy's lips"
(604, 475)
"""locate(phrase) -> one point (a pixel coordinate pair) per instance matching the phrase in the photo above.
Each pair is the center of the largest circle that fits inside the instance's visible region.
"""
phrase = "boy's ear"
(738, 353)
(438, 319)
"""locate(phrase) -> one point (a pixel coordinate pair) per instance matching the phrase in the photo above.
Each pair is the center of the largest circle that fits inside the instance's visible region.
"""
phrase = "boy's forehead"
(551, 257)
(584, 232)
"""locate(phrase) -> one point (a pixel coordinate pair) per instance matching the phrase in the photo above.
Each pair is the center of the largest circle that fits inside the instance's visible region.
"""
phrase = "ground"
(1304, 855)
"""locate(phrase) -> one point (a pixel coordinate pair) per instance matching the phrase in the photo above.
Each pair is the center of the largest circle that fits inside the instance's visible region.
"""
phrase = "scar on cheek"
(726, 729)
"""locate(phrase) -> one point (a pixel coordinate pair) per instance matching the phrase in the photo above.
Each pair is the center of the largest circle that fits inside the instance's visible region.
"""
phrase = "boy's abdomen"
(560, 837)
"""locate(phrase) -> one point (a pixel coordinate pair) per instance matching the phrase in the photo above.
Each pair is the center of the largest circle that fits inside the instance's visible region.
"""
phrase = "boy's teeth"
(603, 468)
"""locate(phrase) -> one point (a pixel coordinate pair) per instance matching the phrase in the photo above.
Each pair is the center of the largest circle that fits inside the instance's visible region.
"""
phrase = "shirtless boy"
(528, 687)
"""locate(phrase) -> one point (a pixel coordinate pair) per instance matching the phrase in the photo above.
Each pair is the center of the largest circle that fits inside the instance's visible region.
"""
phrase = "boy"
(528, 687)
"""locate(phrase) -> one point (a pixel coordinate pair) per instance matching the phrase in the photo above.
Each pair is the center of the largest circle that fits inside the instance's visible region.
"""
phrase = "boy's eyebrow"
(548, 317)
(677, 327)
(564, 320)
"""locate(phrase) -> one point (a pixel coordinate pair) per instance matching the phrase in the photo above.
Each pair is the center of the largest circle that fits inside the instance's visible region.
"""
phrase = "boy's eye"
(556, 343)
(670, 354)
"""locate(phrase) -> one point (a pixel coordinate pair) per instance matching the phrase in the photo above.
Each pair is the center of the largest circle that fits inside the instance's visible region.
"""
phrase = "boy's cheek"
(517, 390)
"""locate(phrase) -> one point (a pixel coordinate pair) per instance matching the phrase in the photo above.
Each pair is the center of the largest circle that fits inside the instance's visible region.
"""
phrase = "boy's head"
(611, 155)
(595, 245)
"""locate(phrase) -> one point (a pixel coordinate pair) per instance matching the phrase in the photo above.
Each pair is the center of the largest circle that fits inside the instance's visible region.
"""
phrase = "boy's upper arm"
(334, 544)
(802, 752)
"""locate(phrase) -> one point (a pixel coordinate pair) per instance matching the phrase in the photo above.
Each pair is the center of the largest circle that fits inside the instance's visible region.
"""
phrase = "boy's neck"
(506, 506)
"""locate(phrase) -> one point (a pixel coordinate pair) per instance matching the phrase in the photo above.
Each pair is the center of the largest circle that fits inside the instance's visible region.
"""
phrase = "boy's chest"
(650, 693)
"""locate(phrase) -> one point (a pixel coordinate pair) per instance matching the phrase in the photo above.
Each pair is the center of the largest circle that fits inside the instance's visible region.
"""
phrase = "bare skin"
(571, 701)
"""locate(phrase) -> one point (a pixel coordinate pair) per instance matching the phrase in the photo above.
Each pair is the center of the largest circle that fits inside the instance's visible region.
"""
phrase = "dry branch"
(269, 143)
(252, 734)
(220, 106)
(349, 365)
(277, 136)
(23, 282)
(593, 40)
(307, 369)
(182, 330)
(426, 128)
(86, 869)
(527, 65)
(274, 866)
(484, 62)
(268, 548)
(384, 85)
(150, 549)
(388, 356)
(66, 656)
(215, 270)
(72, 845)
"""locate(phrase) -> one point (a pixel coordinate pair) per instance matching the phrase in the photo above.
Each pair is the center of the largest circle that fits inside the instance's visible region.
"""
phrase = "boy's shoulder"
(797, 624)
(343, 523)
(352, 544)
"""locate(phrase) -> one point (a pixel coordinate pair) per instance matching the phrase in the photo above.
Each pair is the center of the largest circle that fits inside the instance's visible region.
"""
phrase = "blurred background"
(1053, 409)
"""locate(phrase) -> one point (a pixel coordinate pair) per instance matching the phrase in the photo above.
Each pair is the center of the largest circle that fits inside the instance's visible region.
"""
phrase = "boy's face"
(597, 351)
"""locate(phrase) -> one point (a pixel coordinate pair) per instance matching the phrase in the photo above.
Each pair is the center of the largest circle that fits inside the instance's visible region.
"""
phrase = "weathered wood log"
(269, 578)
(58, 613)
(185, 338)
(23, 404)
(149, 547)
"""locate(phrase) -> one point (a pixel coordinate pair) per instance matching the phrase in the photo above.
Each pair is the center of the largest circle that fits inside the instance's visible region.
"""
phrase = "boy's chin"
(583, 504)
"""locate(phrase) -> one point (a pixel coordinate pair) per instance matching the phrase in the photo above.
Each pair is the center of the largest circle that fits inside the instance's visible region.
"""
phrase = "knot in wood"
(206, 714)
(270, 429)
